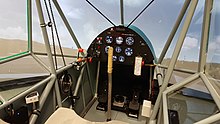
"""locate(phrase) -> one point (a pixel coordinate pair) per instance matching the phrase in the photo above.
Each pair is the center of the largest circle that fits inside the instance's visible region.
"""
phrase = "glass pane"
(13, 34)
(58, 32)
(213, 57)
(156, 22)
(189, 54)
(192, 103)
(21, 68)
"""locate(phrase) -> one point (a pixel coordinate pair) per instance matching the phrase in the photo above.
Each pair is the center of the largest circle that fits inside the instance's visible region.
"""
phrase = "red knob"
(80, 50)
(142, 63)
(90, 60)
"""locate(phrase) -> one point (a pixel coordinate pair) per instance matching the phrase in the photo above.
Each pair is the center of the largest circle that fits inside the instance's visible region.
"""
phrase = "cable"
(101, 13)
(56, 31)
(52, 34)
(141, 12)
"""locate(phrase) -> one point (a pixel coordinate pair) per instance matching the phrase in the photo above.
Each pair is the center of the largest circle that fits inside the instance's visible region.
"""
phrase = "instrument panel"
(127, 44)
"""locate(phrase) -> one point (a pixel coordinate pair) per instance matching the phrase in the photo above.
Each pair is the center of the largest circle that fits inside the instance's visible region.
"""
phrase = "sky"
(156, 22)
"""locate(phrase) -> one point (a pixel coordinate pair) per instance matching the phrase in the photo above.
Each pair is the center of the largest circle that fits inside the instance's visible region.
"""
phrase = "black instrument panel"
(127, 44)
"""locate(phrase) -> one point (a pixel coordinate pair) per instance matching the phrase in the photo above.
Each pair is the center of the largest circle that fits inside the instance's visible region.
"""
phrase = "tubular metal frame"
(162, 98)
(200, 74)
(52, 80)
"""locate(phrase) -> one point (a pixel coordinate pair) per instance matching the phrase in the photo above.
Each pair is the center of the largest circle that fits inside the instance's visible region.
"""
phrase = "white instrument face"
(119, 40)
(129, 41)
(109, 39)
(128, 51)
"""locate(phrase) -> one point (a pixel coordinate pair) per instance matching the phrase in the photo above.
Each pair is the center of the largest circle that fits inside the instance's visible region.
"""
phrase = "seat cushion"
(69, 116)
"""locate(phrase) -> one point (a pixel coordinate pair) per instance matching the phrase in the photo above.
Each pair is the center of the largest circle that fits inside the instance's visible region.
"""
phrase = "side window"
(13, 28)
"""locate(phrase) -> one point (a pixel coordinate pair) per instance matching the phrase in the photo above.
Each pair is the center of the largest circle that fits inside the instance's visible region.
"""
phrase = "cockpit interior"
(127, 43)
(68, 62)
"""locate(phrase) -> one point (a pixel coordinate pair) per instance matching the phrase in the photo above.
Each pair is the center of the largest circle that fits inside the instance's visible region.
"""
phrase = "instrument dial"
(129, 41)
(121, 59)
(114, 58)
(118, 49)
(128, 51)
(106, 49)
(108, 39)
(119, 40)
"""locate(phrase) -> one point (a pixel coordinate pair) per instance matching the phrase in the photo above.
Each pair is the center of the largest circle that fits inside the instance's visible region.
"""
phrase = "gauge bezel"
(119, 59)
(129, 41)
(119, 40)
(106, 49)
(118, 49)
(109, 37)
(114, 58)
(128, 50)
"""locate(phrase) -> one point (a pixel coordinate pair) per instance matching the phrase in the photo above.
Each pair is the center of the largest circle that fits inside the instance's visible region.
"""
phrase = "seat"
(69, 116)
(3, 122)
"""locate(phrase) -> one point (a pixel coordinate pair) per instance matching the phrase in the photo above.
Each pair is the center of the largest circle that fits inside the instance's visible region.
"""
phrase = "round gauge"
(118, 49)
(106, 49)
(129, 41)
(108, 39)
(128, 51)
(119, 40)
(114, 58)
(121, 59)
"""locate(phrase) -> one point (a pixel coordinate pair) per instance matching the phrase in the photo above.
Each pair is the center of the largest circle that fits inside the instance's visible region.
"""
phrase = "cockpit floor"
(101, 116)
(189, 109)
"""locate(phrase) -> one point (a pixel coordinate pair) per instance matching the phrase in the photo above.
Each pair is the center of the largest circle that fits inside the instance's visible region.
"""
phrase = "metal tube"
(109, 96)
(210, 119)
(212, 89)
(165, 109)
(48, 49)
(174, 57)
(58, 96)
(40, 62)
(17, 56)
(29, 14)
(179, 69)
(66, 23)
(173, 32)
(181, 84)
(43, 98)
(88, 106)
(64, 68)
(97, 79)
(160, 115)
(59, 55)
(122, 11)
(78, 83)
(159, 76)
(205, 35)
(150, 80)
(174, 88)
(83, 96)
(89, 78)
(26, 92)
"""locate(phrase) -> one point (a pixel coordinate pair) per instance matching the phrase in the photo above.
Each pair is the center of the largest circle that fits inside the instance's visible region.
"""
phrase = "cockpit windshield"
(21, 33)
